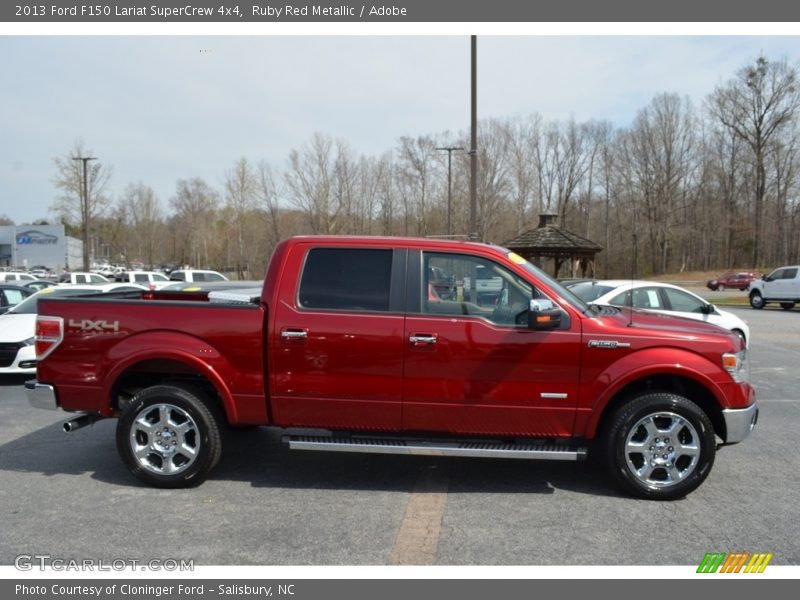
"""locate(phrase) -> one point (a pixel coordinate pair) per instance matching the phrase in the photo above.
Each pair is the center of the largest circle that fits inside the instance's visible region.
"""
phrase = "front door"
(471, 364)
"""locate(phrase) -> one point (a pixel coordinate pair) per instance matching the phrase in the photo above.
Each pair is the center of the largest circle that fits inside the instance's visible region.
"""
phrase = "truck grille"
(8, 352)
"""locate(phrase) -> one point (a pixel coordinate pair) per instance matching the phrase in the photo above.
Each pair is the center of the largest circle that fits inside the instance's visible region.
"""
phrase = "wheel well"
(160, 371)
(683, 386)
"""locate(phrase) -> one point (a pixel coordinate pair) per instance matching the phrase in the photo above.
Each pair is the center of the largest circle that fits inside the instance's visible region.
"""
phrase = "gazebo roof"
(552, 241)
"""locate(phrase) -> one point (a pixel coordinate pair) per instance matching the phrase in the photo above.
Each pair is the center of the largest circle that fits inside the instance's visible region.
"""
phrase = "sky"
(160, 108)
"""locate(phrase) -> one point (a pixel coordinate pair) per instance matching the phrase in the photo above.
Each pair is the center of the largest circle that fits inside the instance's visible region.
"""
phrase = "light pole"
(85, 209)
(449, 150)
(473, 147)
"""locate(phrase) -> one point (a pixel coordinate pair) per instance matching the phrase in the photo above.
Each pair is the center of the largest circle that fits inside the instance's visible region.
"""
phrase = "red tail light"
(49, 333)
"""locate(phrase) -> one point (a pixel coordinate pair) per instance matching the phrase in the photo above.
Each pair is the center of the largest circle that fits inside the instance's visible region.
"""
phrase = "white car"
(149, 279)
(18, 325)
(196, 275)
(661, 298)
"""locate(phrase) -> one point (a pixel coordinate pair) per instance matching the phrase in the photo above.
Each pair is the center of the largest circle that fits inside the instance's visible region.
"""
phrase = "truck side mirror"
(543, 314)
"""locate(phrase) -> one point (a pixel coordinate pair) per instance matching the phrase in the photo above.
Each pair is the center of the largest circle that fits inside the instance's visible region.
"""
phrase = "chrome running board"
(475, 449)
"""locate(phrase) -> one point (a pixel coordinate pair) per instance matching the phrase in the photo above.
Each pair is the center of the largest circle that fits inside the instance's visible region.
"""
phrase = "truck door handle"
(423, 339)
(294, 335)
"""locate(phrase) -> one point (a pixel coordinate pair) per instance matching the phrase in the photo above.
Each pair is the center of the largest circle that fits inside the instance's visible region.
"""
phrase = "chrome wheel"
(164, 439)
(662, 449)
(169, 435)
(658, 445)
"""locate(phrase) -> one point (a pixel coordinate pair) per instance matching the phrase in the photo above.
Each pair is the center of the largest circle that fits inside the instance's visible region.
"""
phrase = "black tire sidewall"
(208, 429)
(639, 407)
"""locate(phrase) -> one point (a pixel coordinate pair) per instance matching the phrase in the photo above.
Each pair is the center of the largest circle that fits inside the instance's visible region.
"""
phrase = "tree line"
(681, 188)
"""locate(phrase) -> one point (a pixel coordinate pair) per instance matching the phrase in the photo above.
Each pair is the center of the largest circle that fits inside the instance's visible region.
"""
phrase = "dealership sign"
(36, 237)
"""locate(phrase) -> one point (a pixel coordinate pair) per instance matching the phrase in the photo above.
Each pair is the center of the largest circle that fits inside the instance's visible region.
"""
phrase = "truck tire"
(169, 436)
(659, 446)
(787, 305)
(756, 300)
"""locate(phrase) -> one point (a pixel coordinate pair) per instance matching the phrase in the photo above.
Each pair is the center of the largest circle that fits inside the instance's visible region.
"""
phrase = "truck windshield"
(563, 292)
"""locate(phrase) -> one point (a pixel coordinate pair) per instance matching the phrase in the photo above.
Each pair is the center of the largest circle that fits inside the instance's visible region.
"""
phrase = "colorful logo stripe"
(736, 562)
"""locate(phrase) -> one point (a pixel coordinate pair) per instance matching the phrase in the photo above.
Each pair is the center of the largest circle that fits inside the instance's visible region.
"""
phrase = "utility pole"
(450, 150)
(473, 147)
(85, 209)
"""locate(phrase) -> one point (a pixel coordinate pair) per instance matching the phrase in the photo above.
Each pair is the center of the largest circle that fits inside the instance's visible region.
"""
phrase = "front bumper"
(41, 395)
(739, 422)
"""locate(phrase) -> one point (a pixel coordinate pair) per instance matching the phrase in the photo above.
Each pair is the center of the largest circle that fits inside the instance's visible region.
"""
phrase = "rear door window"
(346, 279)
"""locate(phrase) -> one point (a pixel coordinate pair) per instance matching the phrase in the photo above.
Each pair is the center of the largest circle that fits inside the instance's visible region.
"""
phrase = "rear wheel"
(787, 305)
(169, 436)
(756, 300)
(659, 446)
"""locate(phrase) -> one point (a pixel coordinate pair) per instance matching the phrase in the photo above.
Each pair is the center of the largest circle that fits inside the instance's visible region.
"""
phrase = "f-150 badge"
(608, 344)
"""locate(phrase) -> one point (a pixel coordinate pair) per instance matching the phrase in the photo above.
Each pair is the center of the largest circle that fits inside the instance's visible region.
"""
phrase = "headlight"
(737, 365)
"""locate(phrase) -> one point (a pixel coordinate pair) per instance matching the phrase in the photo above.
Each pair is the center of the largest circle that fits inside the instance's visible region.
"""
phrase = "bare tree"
(195, 204)
(240, 198)
(757, 105)
(268, 194)
(417, 157)
(80, 202)
(144, 219)
(309, 184)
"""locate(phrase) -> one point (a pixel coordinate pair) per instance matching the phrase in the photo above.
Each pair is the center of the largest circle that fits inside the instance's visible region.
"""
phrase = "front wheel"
(169, 436)
(659, 446)
(756, 300)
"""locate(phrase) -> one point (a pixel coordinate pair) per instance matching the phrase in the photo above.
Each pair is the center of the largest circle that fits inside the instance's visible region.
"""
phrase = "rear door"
(472, 366)
(336, 347)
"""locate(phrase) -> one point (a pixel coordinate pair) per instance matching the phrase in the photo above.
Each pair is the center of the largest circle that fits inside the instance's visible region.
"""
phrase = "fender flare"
(188, 350)
(649, 363)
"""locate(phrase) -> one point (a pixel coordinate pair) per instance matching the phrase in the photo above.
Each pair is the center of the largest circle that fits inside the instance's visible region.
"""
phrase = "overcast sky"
(157, 109)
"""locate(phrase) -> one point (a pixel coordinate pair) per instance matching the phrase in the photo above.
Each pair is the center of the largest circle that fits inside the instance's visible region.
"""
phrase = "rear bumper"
(41, 395)
(739, 422)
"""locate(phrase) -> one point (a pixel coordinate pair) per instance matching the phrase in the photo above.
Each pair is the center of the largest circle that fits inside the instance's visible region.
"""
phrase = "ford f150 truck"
(347, 347)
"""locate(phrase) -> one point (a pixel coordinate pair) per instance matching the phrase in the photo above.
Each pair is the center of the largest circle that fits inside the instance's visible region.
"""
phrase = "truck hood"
(636, 323)
(17, 328)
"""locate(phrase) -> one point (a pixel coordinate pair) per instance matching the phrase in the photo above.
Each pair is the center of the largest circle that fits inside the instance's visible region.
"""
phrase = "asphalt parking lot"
(69, 496)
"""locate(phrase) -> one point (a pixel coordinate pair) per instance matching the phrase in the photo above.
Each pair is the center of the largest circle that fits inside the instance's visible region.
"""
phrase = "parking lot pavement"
(69, 496)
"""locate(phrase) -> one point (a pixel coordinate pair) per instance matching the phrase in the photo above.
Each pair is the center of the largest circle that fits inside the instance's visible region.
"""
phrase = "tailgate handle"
(423, 339)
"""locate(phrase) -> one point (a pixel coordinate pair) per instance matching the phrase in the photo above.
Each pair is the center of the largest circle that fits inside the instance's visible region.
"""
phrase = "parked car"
(36, 284)
(196, 275)
(150, 279)
(11, 276)
(781, 286)
(11, 295)
(80, 278)
(18, 325)
(739, 281)
(660, 298)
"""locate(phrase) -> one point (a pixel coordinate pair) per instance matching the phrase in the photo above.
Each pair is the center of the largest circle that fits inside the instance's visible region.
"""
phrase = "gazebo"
(548, 241)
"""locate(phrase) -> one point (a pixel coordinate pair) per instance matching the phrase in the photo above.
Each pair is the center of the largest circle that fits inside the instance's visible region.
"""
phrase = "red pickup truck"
(350, 346)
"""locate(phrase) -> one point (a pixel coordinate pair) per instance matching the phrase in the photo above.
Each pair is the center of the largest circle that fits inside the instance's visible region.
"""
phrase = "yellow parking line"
(418, 537)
